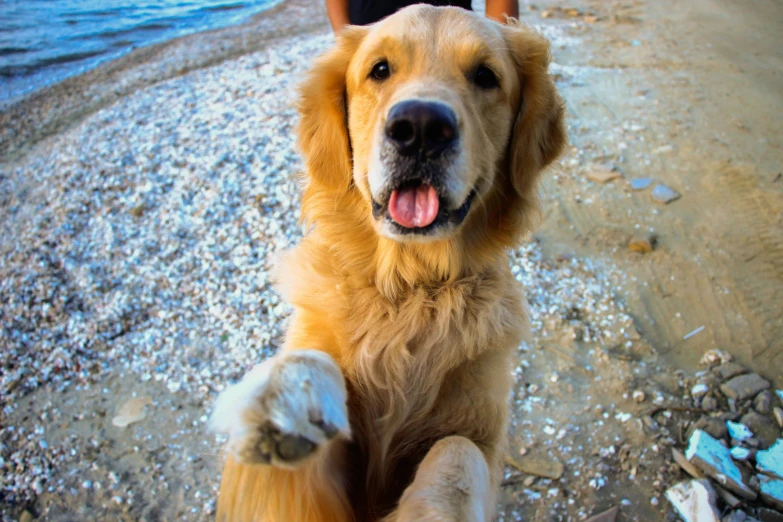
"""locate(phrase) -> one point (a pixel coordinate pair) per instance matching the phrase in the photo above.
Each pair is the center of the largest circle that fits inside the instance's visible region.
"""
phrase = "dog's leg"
(284, 409)
(284, 421)
(452, 483)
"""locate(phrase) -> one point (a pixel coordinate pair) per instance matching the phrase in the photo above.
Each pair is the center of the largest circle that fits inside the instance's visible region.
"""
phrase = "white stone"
(714, 460)
(771, 491)
(700, 390)
(738, 431)
(694, 500)
(771, 460)
(738, 453)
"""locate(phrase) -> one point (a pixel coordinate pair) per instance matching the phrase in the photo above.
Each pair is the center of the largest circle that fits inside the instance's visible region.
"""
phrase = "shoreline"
(57, 107)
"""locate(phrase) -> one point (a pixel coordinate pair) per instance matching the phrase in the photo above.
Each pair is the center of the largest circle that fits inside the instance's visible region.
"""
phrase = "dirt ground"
(689, 94)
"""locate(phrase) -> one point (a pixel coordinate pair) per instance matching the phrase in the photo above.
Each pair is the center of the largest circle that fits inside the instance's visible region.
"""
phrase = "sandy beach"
(144, 204)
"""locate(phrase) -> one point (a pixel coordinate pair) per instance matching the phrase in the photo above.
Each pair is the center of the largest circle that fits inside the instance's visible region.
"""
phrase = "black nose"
(416, 127)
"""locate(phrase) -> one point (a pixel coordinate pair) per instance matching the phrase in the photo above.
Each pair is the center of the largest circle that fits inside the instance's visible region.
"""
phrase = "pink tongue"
(414, 207)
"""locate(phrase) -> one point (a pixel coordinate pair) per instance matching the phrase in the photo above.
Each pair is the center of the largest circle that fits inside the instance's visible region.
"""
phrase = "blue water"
(43, 41)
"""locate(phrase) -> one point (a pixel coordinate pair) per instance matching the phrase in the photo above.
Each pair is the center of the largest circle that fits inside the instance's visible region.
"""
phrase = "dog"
(424, 137)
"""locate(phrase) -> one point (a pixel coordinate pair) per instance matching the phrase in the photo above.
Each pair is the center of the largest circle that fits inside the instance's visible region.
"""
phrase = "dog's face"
(435, 101)
(431, 97)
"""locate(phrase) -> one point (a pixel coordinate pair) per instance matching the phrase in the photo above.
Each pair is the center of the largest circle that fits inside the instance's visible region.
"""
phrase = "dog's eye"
(485, 78)
(380, 71)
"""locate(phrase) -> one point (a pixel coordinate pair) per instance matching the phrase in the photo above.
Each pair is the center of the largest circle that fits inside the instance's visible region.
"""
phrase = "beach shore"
(55, 108)
(143, 206)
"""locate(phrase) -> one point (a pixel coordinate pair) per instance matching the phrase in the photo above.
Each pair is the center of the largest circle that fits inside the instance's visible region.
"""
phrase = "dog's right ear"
(323, 128)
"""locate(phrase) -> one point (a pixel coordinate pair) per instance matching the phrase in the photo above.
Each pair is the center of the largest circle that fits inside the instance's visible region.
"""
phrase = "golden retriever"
(424, 136)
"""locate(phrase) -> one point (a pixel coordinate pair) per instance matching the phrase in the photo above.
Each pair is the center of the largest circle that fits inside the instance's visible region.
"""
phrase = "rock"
(768, 515)
(714, 356)
(689, 468)
(709, 403)
(771, 491)
(778, 412)
(540, 466)
(591, 19)
(610, 515)
(771, 461)
(712, 425)
(26, 516)
(735, 516)
(740, 453)
(763, 402)
(641, 183)
(602, 173)
(738, 431)
(664, 194)
(642, 244)
(131, 411)
(763, 428)
(638, 396)
(700, 390)
(731, 500)
(694, 500)
(728, 370)
(744, 386)
(712, 458)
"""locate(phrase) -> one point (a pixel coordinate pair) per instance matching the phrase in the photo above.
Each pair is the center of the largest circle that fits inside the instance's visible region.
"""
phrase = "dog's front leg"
(452, 484)
(284, 410)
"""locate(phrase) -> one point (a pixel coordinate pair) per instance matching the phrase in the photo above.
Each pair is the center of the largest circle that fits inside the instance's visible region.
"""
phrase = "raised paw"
(284, 409)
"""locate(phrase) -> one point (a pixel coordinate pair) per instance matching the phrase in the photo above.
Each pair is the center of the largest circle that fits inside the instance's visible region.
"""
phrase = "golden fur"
(423, 331)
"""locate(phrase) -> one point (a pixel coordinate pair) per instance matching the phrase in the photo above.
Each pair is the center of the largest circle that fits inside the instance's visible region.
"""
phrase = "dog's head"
(434, 115)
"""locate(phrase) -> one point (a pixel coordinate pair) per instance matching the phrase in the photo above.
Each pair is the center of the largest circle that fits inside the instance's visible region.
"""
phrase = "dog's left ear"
(323, 128)
(539, 133)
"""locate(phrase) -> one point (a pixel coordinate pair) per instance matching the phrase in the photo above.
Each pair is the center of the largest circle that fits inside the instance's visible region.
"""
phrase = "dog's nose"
(421, 127)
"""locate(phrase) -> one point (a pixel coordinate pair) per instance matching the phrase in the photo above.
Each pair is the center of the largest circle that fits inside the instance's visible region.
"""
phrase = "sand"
(144, 204)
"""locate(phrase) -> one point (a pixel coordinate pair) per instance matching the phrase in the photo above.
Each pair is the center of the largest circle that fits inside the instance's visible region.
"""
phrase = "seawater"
(45, 41)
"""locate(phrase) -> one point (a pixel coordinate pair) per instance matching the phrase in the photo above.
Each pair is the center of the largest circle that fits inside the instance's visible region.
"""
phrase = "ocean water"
(44, 41)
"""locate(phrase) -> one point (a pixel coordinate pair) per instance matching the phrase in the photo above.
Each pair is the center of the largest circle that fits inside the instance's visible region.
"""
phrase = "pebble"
(640, 183)
(764, 428)
(689, 468)
(728, 370)
(642, 244)
(131, 411)
(769, 515)
(665, 194)
(638, 396)
(735, 516)
(610, 515)
(763, 402)
(744, 386)
(771, 460)
(540, 466)
(603, 173)
(714, 460)
(740, 453)
(699, 390)
(778, 413)
(715, 356)
(695, 501)
(709, 403)
(715, 426)
(738, 431)
(771, 491)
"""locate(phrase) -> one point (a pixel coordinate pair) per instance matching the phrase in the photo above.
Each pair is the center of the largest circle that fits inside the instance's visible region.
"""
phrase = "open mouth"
(415, 207)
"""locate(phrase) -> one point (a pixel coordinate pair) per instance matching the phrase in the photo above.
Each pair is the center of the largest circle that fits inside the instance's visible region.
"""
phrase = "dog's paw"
(284, 409)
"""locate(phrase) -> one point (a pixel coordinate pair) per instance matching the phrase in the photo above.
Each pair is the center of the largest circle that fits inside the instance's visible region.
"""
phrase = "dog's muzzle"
(421, 143)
